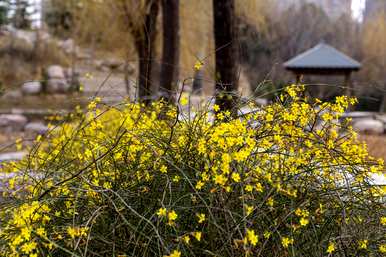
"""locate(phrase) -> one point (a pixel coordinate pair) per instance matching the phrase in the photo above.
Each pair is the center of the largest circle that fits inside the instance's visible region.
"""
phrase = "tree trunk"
(171, 47)
(144, 43)
(225, 38)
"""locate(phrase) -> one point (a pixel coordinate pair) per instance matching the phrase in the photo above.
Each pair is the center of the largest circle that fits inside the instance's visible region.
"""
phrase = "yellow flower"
(199, 185)
(304, 222)
(172, 216)
(74, 232)
(198, 65)
(216, 107)
(184, 100)
(363, 244)
(175, 253)
(383, 221)
(28, 247)
(285, 241)
(19, 144)
(270, 202)
(161, 212)
(38, 138)
(269, 117)
(186, 239)
(267, 234)
(382, 248)
(41, 232)
(197, 235)
(201, 217)
(248, 188)
(259, 187)
(236, 177)
(163, 169)
(331, 247)
(220, 179)
(249, 209)
(327, 116)
(25, 233)
(252, 237)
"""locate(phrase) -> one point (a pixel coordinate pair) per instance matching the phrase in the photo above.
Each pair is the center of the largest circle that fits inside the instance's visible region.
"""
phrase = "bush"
(285, 180)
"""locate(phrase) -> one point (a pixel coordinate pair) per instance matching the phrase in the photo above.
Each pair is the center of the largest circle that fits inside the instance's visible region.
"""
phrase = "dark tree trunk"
(145, 44)
(171, 47)
(225, 37)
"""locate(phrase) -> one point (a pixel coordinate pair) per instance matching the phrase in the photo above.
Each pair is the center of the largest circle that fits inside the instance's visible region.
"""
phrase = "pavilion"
(324, 60)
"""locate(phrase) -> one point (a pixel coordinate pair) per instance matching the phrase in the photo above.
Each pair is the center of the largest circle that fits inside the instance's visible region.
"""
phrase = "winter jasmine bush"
(285, 180)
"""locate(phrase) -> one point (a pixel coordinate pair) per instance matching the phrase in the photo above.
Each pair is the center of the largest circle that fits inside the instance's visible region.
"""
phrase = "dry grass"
(376, 145)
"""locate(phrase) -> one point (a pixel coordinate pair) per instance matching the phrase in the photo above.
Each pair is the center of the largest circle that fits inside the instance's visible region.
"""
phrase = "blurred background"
(58, 54)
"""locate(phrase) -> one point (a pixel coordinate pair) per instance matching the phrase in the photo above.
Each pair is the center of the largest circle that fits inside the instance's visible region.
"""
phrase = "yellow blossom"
(362, 244)
(175, 253)
(197, 235)
(331, 247)
(201, 217)
(304, 222)
(184, 100)
(199, 185)
(252, 237)
(249, 188)
(161, 212)
(270, 202)
(249, 209)
(198, 65)
(186, 239)
(163, 169)
(285, 241)
(236, 177)
(172, 216)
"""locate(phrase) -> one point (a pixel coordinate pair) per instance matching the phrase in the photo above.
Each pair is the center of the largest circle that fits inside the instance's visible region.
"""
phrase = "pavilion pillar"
(298, 78)
(348, 85)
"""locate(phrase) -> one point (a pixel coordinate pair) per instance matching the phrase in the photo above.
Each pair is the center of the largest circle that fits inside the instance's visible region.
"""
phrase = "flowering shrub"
(285, 180)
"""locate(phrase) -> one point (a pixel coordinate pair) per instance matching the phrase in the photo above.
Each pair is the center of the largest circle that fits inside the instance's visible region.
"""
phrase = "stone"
(369, 126)
(31, 88)
(12, 122)
(358, 115)
(261, 101)
(83, 55)
(67, 45)
(57, 85)
(14, 156)
(55, 72)
(381, 117)
(14, 94)
(36, 128)
(126, 68)
(112, 63)
(104, 68)
(98, 64)
(247, 110)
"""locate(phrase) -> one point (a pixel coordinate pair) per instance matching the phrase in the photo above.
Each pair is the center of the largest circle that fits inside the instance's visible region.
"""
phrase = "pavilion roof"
(322, 57)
